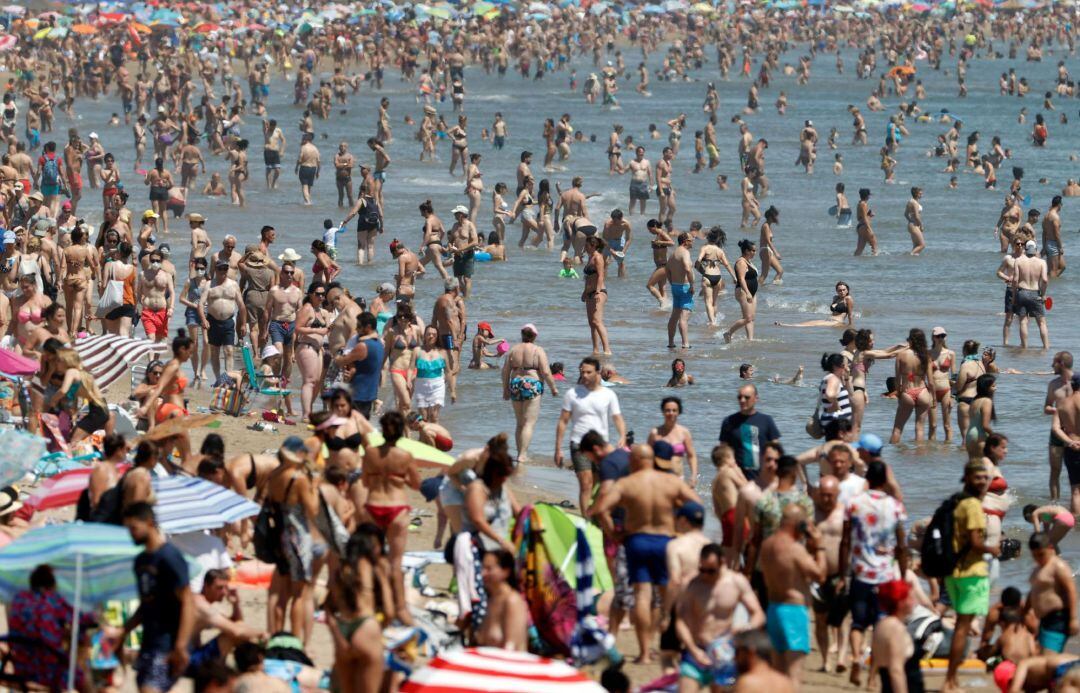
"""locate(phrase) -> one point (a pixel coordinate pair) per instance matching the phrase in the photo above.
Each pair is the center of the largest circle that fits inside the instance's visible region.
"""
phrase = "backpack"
(110, 507)
(369, 218)
(939, 559)
(269, 529)
(50, 171)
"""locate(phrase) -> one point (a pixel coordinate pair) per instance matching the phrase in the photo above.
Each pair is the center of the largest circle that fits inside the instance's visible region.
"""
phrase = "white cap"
(1030, 248)
(269, 351)
(93, 135)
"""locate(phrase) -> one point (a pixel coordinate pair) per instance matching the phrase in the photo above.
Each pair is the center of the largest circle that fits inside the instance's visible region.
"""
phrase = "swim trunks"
(1054, 630)
(639, 190)
(155, 322)
(1072, 465)
(1052, 248)
(307, 175)
(970, 596)
(721, 670)
(1028, 304)
(682, 296)
(646, 558)
(282, 332)
(788, 626)
(221, 332)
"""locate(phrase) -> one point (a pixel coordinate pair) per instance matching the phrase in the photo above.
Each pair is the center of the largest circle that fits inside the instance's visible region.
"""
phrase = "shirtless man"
(231, 630)
(200, 239)
(191, 158)
(408, 268)
(344, 324)
(273, 149)
(753, 656)
(572, 201)
(228, 254)
(665, 193)
(157, 295)
(1029, 285)
(679, 271)
(1053, 594)
(343, 166)
(462, 242)
(378, 176)
(641, 177)
(650, 498)
(448, 319)
(660, 243)
(789, 567)
(308, 163)
(217, 310)
(617, 237)
(282, 305)
(1051, 238)
(1005, 273)
(830, 604)
(705, 616)
(1057, 390)
(523, 170)
(1067, 428)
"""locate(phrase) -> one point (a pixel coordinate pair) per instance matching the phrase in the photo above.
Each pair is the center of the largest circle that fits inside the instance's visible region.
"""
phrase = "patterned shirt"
(874, 516)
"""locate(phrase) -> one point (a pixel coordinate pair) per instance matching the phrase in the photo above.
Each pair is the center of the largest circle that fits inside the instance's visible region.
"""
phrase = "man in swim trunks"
(1057, 390)
(640, 179)
(829, 601)
(282, 304)
(1029, 287)
(307, 166)
(650, 498)
(220, 304)
(1067, 428)
(231, 630)
(157, 295)
(448, 318)
(1051, 238)
(680, 275)
(705, 615)
(1053, 594)
(463, 243)
(789, 567)
(665, 193)
(617, 236)
(274, 147)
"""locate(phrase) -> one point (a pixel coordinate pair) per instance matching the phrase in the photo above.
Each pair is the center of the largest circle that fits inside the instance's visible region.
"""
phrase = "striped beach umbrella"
(491, 669)
(190, 504)
(109, 356)
(92, 563)
(64, 488)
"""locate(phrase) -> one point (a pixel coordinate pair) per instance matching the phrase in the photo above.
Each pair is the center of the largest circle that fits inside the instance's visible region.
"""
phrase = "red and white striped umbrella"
(492, 670)
(109, 356)
(64, 489)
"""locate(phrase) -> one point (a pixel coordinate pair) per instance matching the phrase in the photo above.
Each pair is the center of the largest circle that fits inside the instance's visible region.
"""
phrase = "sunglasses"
(742, 397)
(708, 571)
(320, 294)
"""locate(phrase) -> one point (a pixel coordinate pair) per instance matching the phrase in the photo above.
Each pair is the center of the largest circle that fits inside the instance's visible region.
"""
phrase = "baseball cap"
(150, 214)
(485, 326)
(221, 263)
(939, 332)
(66, 204)
(269, 351)
(293, 449)
(693, 511)
(387, 288)
(663, 451)
(460, 209)
(871, 443)
(1030, 248)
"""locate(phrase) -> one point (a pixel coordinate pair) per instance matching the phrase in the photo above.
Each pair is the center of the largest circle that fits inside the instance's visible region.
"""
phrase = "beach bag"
(814, 429)
(228, 400)
(111, 298)
(939, 559)
(268, 531)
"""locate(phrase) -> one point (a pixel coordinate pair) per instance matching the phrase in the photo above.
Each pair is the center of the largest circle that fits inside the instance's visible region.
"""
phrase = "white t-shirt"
(850, 487)
(329, 236)
(207, 550)
(590, 410)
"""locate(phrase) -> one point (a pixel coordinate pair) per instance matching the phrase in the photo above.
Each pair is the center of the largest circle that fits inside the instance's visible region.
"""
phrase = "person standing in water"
(1051, 238)
(915, 228)
(770, 256)
(746, 287)
(1057, 390)
(680, 274)
(711, 261)
(863, 215)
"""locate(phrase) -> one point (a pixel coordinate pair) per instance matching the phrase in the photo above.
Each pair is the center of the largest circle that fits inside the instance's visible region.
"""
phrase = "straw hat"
(9, 500)
(290, 255)
(177, 426)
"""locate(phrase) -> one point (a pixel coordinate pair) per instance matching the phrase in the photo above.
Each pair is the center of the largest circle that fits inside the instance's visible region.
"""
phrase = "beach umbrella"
(8, 43)
(92, 564)
(426, 455)
(139, 27)
(84, 29)
(19, 452)
(590, 643)
(13, 10)
(64, 488)
(493, 669)
(42, 33)
(58, 32)
(17, 365)
(109, 356)
(207, 27)
(191, 504)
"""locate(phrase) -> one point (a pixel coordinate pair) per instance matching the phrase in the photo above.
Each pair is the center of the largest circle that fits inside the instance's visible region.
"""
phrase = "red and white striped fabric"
(109, 356)
(64, 489)
(492, 670)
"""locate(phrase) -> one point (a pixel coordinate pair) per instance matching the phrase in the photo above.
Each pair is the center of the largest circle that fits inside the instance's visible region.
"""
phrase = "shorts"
(155, 322)
(159, 193)
(727, 528)
(580, 462)
(282, 332)
(1028, 304)
(1054, 630)
(379, 176)
(1008, 300)
(209, 652)
(446, 341)
(152, 671)
(970, 596)
(830, 604)
(272, 159)
(1052, 248)
(788, 626)
(50, 190)
(125, 311)
(1072, 465)
(682, 296)
(862, 599)
(498, 141)
(721, 670)
(429, 392)
(191, 318)
(465, 264)
(624, 592)
(307, 175)
(221, 332)
(524, 388)
(639, 190)
(96, 419)
(646, 558)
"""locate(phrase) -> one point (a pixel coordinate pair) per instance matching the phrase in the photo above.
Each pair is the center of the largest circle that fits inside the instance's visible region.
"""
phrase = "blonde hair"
(68, 359)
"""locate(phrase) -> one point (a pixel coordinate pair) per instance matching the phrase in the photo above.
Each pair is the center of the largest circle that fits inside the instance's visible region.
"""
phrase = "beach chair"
(256, 382)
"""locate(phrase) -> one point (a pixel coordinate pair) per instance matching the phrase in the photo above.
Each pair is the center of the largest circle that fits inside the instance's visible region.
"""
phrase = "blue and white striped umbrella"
(589, 642)
(190, 504)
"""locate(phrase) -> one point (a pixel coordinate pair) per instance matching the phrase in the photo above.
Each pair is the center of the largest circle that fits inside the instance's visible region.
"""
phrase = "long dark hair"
(917, 341)
(499, 466)
(505, 560)
(830, 362)
(393, 426)
(983, 387)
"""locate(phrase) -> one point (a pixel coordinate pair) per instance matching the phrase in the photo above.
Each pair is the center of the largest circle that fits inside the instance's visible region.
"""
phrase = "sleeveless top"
(842, 398)
(365, 381)
(430, 369)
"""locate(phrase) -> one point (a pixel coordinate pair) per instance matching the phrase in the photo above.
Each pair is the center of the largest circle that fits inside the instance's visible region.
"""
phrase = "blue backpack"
(50, 171)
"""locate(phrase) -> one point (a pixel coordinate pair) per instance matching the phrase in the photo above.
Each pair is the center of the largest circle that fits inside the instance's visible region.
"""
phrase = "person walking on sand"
(650, 498)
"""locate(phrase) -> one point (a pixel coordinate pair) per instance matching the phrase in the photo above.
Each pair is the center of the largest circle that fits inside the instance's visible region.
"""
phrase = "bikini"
(912, 391)
(839, 307)
(384, 515)
(588, 271)
(945, 366)
(400, 343)
(165, 409)
(352, 442)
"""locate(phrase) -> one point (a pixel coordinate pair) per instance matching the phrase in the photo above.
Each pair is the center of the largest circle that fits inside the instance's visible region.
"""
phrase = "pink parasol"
(17, 364)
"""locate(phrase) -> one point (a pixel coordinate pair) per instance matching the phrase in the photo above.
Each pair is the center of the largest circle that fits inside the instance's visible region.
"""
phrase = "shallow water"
(952, 284)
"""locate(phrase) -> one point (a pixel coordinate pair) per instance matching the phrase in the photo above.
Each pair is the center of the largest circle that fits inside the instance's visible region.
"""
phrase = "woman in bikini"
(311, 328)
(434, 234)
(944, 373)
(80, 268)
(915, 228)
(238, 171)
(549, 143)
(914, 385)
(459, 145)
(996, 502)
(353, 616)
(325, 269)
(505, 624)
(52, 328)
(474, 185)
(966, 377)
(842, 308)
(863, 227)
(678, 436)
(711, 260)
(524, 375)
(546, 208)
(166, 400)
(28, 308)
(769, 255)
(862, 359)
(388, 470)
(746, 287)
(400, 339)
(344, 447)
(523, 210)
(595, 294)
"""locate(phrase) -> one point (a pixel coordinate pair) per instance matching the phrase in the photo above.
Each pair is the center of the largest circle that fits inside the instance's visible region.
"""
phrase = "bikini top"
(589, 270)
(399, 343)
(679, 448)
(33, 315)
(838, 307)
(352, 442)
(179, 385)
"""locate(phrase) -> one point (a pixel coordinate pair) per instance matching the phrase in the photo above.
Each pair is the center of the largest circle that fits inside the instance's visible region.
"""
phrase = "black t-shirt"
(612, 468)
(747, 435)
(159, 575)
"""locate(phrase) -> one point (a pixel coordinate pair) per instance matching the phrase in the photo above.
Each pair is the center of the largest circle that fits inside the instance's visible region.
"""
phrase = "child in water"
(568, 271)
